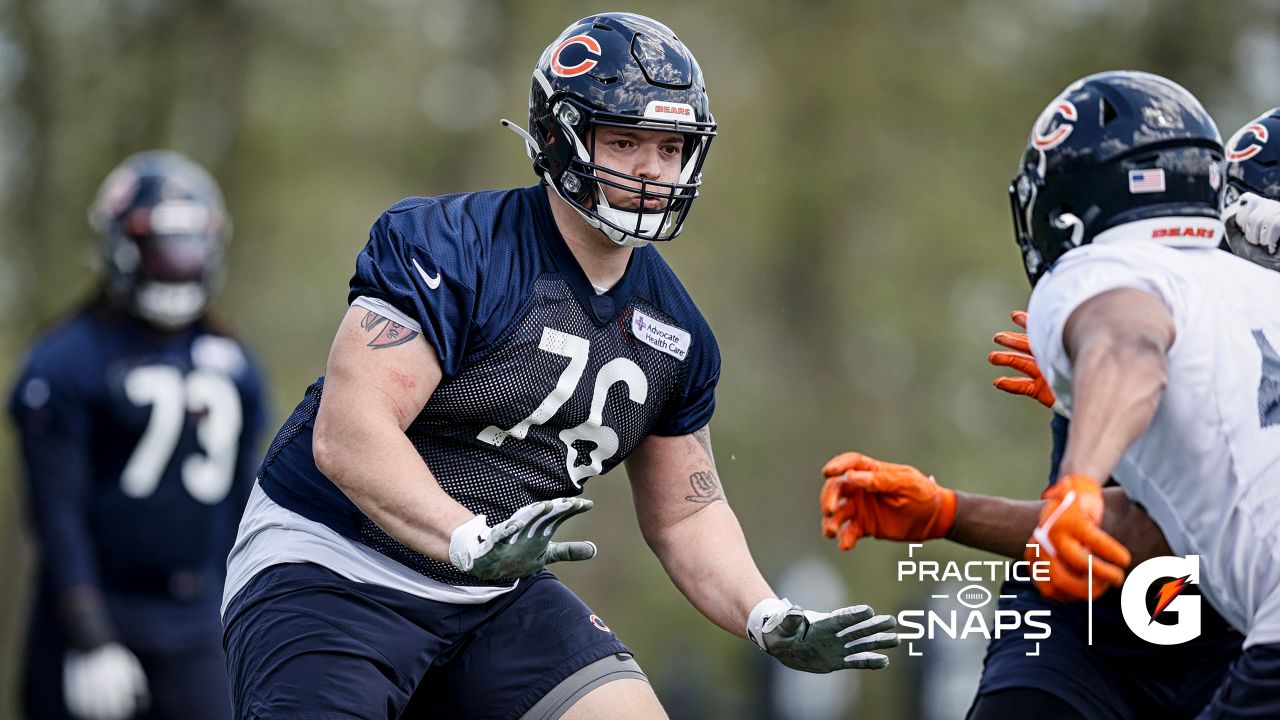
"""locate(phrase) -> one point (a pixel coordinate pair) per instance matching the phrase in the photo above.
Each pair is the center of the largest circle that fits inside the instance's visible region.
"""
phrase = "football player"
(1069, 678)
(138, 419)
(502, 348)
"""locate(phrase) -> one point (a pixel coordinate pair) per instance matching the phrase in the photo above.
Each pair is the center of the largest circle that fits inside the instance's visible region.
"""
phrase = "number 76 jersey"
(547, 382)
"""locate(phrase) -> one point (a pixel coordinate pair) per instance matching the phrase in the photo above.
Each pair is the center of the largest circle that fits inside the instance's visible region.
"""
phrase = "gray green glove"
(520, 545)
(822, 642)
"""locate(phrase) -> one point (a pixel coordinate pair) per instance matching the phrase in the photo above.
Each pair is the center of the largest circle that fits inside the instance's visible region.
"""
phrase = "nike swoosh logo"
(432, 282)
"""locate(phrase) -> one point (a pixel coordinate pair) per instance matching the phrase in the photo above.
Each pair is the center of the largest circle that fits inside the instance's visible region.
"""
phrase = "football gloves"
(865, 497)
(1070, 530)
(815, 642)
(1019, 358)
(520, 545)
(105, 683)
(1258, 218)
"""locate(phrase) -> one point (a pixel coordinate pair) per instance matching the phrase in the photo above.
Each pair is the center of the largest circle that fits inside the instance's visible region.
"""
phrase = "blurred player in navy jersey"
(501, 349)
(1120, 675)
(139, 419)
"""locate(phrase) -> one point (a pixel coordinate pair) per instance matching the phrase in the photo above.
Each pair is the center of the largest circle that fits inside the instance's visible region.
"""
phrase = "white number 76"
(605, 439)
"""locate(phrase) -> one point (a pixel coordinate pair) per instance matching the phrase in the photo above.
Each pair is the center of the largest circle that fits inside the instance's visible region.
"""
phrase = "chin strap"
(618, 217)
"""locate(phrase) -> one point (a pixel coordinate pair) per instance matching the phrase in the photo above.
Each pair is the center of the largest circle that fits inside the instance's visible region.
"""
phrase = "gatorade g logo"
(1149, 620)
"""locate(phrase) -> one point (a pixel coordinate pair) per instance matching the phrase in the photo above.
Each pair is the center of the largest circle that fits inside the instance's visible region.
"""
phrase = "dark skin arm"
(1002, 525)
(1118, 343)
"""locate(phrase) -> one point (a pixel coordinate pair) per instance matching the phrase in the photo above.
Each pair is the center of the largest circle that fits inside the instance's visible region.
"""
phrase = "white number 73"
(170, 395)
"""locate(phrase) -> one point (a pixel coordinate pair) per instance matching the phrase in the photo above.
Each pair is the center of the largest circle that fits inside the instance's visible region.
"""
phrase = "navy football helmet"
(1113, 148)
(1253, 165)
(164, 230)
(622, 70)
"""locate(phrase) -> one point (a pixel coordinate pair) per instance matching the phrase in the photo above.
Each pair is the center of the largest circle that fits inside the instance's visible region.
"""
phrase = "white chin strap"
(648, 225)
(170, 305)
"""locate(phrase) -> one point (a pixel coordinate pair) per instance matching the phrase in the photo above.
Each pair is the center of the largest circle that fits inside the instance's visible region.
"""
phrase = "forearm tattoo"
(705, 484)
(387, 333)
(706, 488)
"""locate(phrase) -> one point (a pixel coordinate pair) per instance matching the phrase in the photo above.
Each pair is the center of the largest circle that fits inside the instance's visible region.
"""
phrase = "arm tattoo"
(706, 488)
(705, 484)
(703, 436)
(387, 333)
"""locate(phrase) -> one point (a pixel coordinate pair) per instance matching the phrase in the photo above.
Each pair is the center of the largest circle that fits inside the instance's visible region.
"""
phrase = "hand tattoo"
(388, 333)
(706, 488)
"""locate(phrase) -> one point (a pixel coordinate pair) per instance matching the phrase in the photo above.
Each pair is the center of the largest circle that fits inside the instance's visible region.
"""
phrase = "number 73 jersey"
(547, 383)
(138, 448)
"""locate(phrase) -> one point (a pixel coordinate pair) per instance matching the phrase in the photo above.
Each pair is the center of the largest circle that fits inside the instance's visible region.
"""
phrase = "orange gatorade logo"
(1154, 605)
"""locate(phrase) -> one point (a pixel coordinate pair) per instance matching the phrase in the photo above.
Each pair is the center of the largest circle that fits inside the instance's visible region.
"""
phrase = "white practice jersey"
(1207, 469)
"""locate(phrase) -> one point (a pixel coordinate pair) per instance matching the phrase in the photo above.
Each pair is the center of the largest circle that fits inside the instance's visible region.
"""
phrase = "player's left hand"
(816, 642)
(1258, 218)
(1019, 358)
(520, 545)
(1070, 530)
(865, 497)
(105, 683)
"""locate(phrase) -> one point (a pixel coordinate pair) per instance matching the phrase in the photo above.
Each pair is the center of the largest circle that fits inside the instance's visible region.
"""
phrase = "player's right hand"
(818, 642)
(105, 683)
(1257, 217)
(1070, 530)
(1019, 358)
(520, 545)
(865, 497)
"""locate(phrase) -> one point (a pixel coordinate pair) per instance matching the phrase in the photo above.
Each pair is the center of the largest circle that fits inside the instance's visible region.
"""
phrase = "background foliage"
(851, 249)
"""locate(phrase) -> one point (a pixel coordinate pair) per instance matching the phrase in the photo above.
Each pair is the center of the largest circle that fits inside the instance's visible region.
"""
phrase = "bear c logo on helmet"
(1259, 133)
(1047, 137)
(593, 48)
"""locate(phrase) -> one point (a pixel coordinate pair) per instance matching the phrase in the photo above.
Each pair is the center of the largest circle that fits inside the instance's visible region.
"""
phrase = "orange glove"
(1021, 360)
(864, 497)
(1070, 530)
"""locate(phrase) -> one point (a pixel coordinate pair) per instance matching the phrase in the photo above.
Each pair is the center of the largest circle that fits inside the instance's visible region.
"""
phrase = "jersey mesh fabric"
(495, 390)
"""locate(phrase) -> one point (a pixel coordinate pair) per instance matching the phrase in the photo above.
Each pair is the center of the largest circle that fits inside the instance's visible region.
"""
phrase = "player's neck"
(603, 261)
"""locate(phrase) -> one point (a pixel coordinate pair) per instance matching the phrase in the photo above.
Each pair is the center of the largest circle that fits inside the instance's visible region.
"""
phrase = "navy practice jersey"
(545, 384)
(138, 450)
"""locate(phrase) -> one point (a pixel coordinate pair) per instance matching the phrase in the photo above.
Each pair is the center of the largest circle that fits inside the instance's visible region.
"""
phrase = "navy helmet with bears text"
(1113, 148)
(621, 70)
(164, 230)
